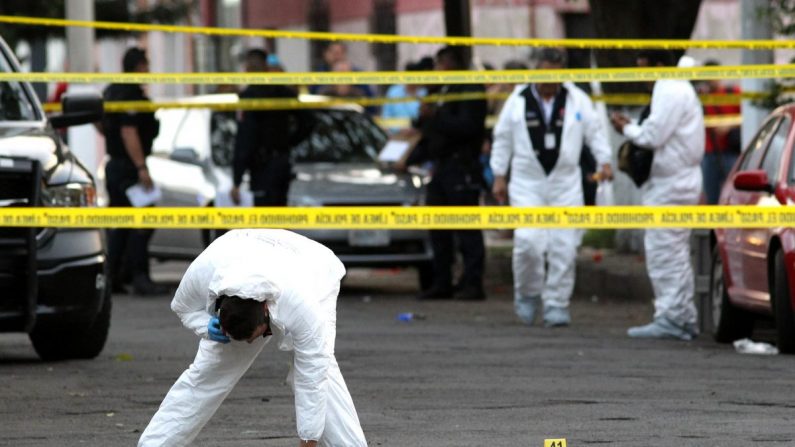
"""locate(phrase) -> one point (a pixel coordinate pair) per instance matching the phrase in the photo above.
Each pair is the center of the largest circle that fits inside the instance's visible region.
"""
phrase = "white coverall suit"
(675, 131)
(530, 186)
(299, 279)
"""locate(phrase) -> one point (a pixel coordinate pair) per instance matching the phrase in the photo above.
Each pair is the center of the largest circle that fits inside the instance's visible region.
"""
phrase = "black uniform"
(263, 143)
(452, 140)
(120, 174)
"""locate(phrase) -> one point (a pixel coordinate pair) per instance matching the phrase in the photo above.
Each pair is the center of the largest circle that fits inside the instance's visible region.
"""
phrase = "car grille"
(20, 181)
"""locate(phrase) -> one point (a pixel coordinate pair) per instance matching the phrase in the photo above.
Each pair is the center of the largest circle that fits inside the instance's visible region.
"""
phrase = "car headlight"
(71, 194)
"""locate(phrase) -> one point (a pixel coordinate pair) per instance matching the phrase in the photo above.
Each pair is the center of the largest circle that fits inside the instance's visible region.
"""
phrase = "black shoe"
(118, 289)
(145, 287)
(471, 294)
(436, 293)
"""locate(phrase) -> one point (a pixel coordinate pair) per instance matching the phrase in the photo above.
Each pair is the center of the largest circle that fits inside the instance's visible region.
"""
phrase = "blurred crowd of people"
(549, 147)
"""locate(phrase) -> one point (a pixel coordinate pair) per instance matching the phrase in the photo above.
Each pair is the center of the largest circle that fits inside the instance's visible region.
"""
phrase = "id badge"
(549, 141)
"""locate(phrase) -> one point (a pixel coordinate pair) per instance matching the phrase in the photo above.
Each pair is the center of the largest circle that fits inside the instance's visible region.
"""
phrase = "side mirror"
(186, 155)
(752, 181)
(76, 109)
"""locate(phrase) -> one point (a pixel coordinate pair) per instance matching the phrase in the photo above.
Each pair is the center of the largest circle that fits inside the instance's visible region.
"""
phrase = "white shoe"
(663, 328)
(526, 308)
(556, 316)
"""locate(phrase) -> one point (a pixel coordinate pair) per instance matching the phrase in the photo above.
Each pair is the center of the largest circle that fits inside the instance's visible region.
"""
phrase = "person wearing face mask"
(539, 136)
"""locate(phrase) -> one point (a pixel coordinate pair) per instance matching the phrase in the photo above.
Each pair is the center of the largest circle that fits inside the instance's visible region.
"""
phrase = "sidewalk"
(600, 273)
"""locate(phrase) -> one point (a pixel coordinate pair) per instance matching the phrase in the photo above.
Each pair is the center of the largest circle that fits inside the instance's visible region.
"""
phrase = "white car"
(335, 165)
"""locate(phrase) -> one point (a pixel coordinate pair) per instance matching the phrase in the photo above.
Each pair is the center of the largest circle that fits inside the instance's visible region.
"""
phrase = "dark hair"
(256, 53)
(240, 317)
(455, 55)
(335, 42)
(425, 64)
(553, 56)
(132, 58)
(711, 63)
(515, 65)
(658, 57)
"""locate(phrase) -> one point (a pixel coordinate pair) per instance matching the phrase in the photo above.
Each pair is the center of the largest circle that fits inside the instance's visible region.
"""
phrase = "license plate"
(368, 238)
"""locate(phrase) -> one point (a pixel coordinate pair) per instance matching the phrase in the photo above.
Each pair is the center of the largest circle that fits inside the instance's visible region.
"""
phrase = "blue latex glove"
(214, 331)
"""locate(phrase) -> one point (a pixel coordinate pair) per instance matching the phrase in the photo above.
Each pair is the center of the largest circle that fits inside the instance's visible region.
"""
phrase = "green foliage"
(599, 239)
(781, 16)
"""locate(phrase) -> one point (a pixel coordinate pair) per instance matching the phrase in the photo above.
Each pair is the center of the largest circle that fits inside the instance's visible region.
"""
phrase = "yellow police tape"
(623, 44)
(420, 77)
(404, 218)
(321, 102)
(491, 121)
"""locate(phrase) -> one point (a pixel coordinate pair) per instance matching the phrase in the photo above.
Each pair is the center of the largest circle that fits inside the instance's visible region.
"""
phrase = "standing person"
(264, 139)
(407, 109)
(722, 144)
(452, 136)
(674, 130)
(128, 141)
(246, 284)
(333, 54)
(540, 135)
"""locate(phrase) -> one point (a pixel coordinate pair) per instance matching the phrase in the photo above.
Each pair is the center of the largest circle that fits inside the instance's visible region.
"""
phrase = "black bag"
(636, 161)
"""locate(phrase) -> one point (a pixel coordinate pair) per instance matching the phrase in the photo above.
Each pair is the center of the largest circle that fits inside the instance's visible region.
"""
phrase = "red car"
(753, 270)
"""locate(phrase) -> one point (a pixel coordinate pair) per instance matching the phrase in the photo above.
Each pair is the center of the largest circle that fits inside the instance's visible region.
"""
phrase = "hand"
(618, 121)
(145, 179)
(500, 189)
(215, 332)
(427, 109)
(234, 194)
(307, 443)
(605, 174)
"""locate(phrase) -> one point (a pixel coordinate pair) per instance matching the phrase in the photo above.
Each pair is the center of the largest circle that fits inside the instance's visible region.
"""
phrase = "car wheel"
(74, 341)
(729, 323)
(782, 307)
(425, 273)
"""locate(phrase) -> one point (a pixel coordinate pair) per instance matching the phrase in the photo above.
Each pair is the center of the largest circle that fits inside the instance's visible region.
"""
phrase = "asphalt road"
(468, 374)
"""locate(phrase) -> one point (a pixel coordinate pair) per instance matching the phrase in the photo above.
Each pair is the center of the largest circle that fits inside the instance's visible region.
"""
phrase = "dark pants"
(452, 186)
(715, 167)
(271, 183)
(128, 249)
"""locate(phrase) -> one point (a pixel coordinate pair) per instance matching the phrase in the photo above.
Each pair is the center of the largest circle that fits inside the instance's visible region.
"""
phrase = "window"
(775, 149)
(756, 149)
(15, 104)
(340, 136)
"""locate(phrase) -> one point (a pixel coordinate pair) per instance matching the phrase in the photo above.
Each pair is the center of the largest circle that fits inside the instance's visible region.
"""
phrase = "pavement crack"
(758, 404)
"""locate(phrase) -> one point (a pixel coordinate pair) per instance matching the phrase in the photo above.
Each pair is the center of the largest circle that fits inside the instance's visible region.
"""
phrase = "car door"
(735, 244)
(179, 167)
(754, 242)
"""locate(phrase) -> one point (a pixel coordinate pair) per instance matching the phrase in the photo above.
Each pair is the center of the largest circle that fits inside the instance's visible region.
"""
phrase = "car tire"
(782, 307)
(728, 322)
(75, 341)
(425, 274)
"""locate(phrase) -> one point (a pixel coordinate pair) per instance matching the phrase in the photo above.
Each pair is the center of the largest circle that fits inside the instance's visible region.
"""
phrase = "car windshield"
(340, 136)
(15, 105)
(335, 136)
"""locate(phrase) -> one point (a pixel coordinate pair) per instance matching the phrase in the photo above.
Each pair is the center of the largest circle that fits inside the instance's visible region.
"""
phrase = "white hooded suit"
(675, 131)
(299, 279)
(531, 186)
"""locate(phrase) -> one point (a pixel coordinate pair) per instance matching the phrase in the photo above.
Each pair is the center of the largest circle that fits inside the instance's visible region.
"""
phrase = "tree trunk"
(639, 19)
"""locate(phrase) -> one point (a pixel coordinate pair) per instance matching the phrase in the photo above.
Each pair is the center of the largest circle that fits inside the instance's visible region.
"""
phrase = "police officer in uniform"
(452, 136)
(264, 139)
(128, 141)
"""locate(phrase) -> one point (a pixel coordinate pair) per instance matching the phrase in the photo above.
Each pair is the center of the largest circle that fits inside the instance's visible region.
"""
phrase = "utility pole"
(80, 54)
(457, 21)
(754, 26)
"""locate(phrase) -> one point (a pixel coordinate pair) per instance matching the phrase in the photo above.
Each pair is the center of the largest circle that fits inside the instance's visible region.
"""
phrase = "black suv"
(52, 280)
